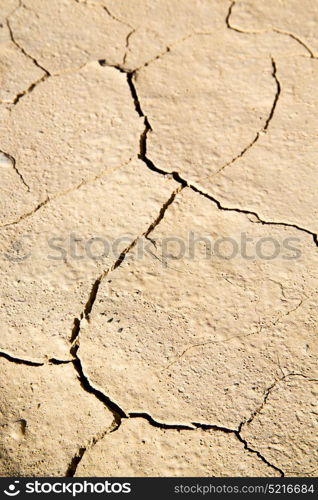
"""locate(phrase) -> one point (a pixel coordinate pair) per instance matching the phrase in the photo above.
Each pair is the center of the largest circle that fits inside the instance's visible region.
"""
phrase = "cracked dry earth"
(143, 122)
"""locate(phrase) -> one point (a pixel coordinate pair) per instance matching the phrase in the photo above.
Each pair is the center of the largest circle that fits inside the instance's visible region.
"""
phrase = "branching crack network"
(118, 413)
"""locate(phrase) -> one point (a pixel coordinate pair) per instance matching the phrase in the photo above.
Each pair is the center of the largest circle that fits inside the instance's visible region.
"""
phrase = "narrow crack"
(91, 3)
(22, 49)
(227, 19)
(266, 125)
(277, 94)
(142, 155)
(29, 362)
(116, 410)
(95, 288)
(127, 45)
(77, 458)
(75, 461)
(239, 155)
(124, 23)
(214, 427)
(15, 168)
(161, 425)
(92, 297)
(290, 311)
(19, 361)
(60, 194)
(26, 54)
(46, 74)
(134, 95)
(258, 410)
(251, 212)
(268, 392)
(262, 326)
(28, 90)
(75, 335)
(297, 39)
(237, 434)
(258, 454)
(55, 361)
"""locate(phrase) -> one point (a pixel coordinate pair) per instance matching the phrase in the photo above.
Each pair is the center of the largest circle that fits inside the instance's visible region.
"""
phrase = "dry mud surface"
(182, 136)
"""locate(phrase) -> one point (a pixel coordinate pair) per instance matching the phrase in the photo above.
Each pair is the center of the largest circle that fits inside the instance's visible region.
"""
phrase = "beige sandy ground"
(145, 124)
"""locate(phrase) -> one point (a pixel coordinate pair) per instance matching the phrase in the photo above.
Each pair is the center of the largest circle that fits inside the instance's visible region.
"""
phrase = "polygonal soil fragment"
(83, 124)
(276, 177)
(78, 34)
(195, 325)
(208, 99)
(50, 260)
(45, 418)
(138, 449)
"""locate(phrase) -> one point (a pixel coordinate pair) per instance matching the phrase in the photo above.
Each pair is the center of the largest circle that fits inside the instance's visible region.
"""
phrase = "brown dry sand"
(158, 245)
